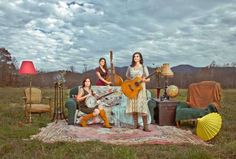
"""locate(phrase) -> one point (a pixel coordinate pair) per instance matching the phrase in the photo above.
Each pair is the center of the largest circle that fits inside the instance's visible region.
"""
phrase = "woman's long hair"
(83, 83)
(141, 59)
(105, 64)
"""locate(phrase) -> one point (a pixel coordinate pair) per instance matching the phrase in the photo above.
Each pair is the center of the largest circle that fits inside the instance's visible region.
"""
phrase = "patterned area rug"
(60, 131)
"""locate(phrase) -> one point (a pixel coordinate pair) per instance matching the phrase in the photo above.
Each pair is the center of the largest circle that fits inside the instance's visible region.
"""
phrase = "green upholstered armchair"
(202, 98)
(185, 112)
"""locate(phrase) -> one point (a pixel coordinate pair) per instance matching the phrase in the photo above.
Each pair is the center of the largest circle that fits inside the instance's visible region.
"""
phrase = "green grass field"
(15, 143)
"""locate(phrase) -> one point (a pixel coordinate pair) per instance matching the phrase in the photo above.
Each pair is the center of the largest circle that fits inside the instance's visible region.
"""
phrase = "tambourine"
(91, 101)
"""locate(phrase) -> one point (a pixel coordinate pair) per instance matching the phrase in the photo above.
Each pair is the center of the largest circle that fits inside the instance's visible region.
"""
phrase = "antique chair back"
(37, 106)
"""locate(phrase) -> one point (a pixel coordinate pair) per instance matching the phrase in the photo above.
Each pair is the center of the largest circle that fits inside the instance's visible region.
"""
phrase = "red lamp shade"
(27, 67)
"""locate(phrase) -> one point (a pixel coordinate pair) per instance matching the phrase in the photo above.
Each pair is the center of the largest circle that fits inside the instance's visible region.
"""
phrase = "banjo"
(92, 101)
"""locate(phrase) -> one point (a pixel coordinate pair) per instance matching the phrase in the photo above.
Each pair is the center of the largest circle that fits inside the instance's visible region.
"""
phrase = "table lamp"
(167, 73)
(27, 68)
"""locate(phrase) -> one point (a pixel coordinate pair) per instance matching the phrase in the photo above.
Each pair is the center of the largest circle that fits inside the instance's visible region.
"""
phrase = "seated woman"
(102, 73)
(84, 92)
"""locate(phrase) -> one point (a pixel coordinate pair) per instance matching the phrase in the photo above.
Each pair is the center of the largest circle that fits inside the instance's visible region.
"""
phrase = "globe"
(172, 91)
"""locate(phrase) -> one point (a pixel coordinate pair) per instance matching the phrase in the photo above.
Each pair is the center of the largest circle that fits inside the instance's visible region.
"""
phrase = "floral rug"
(60, 131)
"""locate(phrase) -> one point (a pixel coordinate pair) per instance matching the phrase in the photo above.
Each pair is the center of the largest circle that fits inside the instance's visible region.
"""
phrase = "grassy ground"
(15, 143)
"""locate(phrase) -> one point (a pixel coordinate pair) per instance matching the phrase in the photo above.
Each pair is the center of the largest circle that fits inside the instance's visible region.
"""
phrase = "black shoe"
(147, 130)
(136, 127)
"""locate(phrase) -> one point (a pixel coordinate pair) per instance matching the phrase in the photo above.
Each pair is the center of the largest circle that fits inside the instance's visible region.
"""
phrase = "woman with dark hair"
(84, 92)
(102, 73)
(138, 105)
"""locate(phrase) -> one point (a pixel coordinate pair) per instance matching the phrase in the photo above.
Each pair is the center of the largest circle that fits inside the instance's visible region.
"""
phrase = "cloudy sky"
(57, 34)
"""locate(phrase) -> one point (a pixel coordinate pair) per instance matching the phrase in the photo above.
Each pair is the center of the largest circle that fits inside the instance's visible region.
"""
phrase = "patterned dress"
(138, 104)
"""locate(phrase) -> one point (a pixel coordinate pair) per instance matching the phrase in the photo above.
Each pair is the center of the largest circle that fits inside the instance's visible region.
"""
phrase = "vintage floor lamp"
(27, 68)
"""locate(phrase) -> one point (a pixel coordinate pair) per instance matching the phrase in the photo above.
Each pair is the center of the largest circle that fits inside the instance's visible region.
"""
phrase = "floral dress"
(139, 103)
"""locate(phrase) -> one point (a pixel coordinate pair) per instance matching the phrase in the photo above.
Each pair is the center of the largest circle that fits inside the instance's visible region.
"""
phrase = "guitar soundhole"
(136, 84)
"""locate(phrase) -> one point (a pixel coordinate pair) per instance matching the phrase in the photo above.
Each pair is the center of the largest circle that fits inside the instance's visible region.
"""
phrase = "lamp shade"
(27, 67)
(166, 71)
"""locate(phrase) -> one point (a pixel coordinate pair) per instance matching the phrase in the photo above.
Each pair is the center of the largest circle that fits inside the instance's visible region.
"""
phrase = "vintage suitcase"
(165, 112)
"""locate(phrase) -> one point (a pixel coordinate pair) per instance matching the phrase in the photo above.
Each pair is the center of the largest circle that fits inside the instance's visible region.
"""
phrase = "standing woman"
(138, 105)
(84, 92)
(102, 73)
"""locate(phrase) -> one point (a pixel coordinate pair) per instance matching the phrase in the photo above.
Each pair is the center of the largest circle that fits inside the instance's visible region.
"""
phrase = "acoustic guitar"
(114, 78)
(130, 88)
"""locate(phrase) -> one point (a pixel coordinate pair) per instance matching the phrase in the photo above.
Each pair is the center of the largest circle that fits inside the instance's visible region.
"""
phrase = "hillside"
(183, 76)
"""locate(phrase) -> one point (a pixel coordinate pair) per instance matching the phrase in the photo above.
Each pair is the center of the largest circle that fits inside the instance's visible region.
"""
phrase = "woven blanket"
(60, 131)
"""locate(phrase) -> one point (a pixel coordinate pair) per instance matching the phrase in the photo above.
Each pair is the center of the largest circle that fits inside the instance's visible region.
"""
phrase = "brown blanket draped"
(201, 94)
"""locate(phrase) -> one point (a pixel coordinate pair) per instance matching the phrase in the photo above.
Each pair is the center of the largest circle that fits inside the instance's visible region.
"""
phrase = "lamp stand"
(30, 116)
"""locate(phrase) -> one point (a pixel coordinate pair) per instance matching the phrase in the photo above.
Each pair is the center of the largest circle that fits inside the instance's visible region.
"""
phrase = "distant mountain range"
(185, 68)
(176, 69)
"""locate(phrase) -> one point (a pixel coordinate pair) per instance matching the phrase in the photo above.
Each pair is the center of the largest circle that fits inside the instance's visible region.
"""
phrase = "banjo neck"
(105, 95)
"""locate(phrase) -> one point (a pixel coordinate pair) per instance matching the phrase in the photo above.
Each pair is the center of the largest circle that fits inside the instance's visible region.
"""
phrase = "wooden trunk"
(165, 112)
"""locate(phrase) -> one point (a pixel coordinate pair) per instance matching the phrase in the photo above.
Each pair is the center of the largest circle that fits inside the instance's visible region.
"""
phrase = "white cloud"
(58, 34)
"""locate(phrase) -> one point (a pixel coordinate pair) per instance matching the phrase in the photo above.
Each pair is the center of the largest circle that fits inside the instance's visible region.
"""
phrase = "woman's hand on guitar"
(143, 79)
(109, 83)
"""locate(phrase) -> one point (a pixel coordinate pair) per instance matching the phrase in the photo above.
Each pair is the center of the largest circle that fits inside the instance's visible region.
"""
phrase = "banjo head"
(91, 101)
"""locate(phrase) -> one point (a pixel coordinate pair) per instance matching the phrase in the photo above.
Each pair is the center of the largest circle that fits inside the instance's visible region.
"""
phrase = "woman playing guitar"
(102, 73)
(84, 92)
(138, 105)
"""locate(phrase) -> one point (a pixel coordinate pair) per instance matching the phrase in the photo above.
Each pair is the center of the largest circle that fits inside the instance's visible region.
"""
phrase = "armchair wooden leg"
(25, 112)
(50, 113)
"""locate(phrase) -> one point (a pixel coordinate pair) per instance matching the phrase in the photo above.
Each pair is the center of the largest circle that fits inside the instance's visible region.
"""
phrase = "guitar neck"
(153, 73)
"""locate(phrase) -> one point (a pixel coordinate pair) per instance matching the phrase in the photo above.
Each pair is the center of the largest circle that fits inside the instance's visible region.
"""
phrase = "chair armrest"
(182, 105)
(49, 100)
(24, 98)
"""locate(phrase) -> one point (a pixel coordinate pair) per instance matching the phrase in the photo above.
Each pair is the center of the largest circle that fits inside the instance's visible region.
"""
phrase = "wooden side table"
(165, 112)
